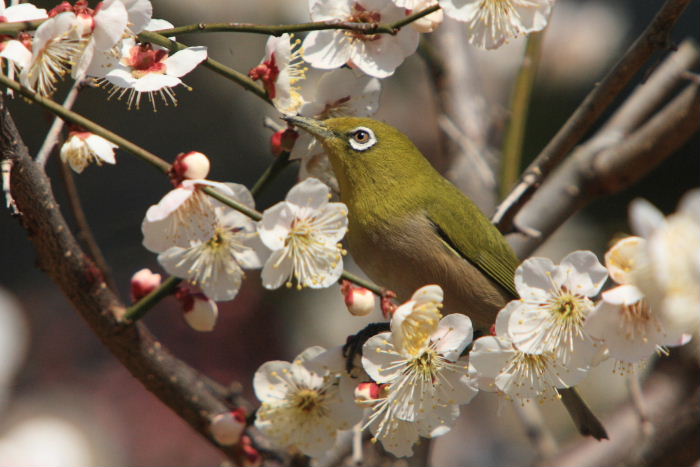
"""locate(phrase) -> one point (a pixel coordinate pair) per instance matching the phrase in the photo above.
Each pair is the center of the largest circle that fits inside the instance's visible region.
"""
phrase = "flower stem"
(78, 119)
(519, 103)
(140, 308)
(278, 164)
(278, 30)
(357, 280)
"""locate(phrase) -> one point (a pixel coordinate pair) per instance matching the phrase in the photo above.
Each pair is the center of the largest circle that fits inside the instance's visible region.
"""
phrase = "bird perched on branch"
(409, 226)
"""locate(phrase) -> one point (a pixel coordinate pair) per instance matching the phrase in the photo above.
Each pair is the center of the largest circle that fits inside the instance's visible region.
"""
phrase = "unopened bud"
(227, 428)
(143, 282)
(200, 312)
(283, 141)
(624, 258)
(360, 301)
(190, 166)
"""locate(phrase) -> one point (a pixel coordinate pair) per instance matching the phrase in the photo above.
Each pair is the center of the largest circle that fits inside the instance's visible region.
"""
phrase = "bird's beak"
(315, 127)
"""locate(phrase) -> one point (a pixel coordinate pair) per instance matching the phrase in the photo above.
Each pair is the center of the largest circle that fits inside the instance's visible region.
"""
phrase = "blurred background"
(64, 400)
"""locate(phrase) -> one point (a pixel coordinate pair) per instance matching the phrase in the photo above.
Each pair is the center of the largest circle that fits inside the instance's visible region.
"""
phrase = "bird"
(408, 226)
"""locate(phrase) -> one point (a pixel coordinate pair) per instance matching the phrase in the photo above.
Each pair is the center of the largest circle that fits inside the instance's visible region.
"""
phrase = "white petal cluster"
(657, 304)
(75, 39)
(492, 23)
(17, 51)
(377, 55)
(303, 233)
(555, 301)
(421, 373)
(302, 404)
(82, 148)
(496, 364)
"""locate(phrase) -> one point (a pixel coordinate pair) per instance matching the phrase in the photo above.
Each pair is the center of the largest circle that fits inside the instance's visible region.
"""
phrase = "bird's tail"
(586, 422)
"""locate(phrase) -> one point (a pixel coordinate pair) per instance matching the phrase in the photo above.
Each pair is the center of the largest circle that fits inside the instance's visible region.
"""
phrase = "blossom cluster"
(210, 244)
(97, 44)
(414, 378)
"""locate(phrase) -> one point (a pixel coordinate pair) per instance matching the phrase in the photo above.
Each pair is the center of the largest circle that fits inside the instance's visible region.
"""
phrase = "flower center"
(426, 366)
(268, 71)
(144, 60)
(417, 328)
(308, 400)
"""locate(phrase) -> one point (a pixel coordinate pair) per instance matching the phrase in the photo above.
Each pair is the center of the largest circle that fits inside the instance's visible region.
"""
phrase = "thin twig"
(218, 67)
(654, 37)
(54, 133)
(279, 163)
(519, 104)
(278, 30)
(84, 230)
(536, 431)
(139, 309)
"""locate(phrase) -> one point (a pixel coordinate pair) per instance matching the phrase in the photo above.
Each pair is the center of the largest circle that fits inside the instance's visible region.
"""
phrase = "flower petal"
(182, 62)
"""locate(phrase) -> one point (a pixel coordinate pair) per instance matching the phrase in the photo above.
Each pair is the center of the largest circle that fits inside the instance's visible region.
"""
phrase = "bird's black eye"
(362, 138)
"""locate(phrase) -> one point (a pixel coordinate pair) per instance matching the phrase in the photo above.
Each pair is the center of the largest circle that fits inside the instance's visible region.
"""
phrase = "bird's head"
(365, 152)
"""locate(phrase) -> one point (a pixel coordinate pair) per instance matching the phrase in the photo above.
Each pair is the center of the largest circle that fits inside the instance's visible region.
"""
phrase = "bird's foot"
(353, 344)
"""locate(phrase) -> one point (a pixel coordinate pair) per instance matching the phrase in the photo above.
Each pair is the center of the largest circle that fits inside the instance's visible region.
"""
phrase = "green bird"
(409, 226)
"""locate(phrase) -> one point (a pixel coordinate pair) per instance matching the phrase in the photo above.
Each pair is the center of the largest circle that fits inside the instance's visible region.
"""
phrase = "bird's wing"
(484, 247)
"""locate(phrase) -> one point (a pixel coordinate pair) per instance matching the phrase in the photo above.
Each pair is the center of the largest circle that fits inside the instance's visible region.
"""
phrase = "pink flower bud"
(143, 282)
(252, 455)
(227, 428)
(192, 165)
(283, 141)
(360, 301)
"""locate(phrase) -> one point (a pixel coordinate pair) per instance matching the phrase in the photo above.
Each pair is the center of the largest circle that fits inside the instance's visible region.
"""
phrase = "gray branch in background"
(621, 153)
(464, 118)
(654, 37)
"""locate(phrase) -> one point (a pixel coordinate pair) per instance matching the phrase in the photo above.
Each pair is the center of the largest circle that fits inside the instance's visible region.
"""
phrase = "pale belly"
(416, 257)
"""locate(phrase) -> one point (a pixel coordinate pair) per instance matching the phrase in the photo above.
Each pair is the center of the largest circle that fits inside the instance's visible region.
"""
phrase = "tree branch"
(278, 30)
(610, 162)
(191, 395)
(654, 37)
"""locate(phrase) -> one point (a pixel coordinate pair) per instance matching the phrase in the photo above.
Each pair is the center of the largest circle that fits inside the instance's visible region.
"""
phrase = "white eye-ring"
(362, 138)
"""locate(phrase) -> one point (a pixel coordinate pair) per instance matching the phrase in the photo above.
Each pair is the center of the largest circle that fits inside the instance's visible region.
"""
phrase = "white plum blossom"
(554, 304)
(420, 371)
(101, 28)
(303, 233)
(57, 42)
(625, 258)
(280, 71)
(628, 326)
(497, 365)
(18, 51)
(216, 256)
(185, 212)
(336, 93)
(491, 23)
(302, 405)
(143, 68)
(377, 55)
(669, 271)
(83, 147)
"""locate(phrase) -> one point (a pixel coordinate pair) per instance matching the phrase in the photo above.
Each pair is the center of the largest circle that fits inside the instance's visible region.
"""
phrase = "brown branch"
(194, 397)
(654, 37)
(612, 161)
